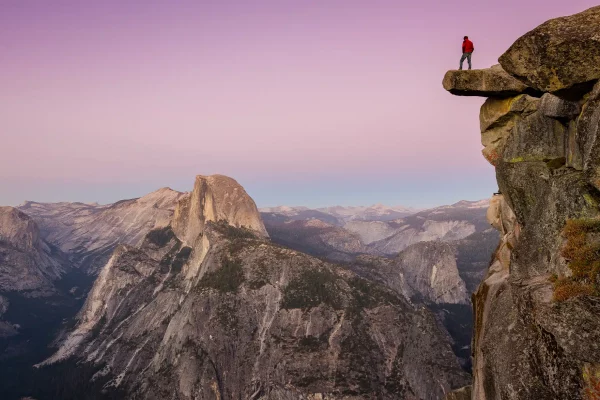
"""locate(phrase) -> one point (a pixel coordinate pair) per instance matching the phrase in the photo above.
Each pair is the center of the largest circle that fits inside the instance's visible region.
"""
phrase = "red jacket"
(467, 46)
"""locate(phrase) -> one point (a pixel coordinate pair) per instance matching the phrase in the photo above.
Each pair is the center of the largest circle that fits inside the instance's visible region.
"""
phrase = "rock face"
(27, 264)
(429, 270)
(227, 314)
(89, 232)
(439, 275)
(215, 198)
(425, 273)
(559, 55)
(484, 82)
(29, 271)
(528, 345)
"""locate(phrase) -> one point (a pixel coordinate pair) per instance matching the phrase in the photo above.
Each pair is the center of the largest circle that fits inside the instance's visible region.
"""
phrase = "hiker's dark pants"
(468, 57)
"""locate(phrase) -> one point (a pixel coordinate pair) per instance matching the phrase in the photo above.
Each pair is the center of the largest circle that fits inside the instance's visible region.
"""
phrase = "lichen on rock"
(560, 56)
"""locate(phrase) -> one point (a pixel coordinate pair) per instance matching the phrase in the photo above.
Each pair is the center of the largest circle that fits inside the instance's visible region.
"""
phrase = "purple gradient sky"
(304, 102)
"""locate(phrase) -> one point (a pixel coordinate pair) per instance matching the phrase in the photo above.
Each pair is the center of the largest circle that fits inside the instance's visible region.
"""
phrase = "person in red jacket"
(467, 49)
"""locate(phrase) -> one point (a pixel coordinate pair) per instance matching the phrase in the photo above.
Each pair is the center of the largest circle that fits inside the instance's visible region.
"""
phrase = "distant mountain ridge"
(28, 264)
(90, 232)
(370, 229)
(167, 243)
(343, 214)
(433, 257)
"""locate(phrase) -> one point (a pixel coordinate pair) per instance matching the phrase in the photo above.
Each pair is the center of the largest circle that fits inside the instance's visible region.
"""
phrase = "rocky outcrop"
(227, 314)
(560, 56)
(28, 265)
(90, 232)
(215, 198)
(484, 82)
(434, 272)
(440, 276)
(425, 273)
(527, 345)
(429, 271)
(29, 271)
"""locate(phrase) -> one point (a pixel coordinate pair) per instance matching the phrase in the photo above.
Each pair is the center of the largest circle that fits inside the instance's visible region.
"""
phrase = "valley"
(167, 255)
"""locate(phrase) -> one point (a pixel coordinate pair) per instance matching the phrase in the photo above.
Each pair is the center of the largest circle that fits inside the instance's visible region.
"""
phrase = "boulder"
(490, 82)
(560, 56)
(555, 107)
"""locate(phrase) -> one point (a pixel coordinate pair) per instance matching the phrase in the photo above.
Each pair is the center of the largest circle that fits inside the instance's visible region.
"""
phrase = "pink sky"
(304, 102)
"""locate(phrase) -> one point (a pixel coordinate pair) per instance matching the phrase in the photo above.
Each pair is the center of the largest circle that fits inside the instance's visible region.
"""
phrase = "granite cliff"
(89, 233)
(537, 312)
(208, 308)
(28, 265)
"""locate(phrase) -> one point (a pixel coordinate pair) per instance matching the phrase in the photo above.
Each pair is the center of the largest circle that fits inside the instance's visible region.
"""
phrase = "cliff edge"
(537, 312)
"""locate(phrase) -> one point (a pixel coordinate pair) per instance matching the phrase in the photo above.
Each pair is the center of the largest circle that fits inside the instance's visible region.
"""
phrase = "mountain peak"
(18, 229)
(160, 197)
(215, 198)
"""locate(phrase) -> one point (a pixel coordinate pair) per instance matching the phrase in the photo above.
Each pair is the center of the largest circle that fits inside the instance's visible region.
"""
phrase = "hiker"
(467, 49)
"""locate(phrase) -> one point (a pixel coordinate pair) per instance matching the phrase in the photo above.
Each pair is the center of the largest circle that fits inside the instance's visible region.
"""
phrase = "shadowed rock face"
(425, 272)
(227, 315)
(29, 269)
(558, 55)
(314, 237)
(27, 264)
(429, 269)
(526, 345)
(6, 329)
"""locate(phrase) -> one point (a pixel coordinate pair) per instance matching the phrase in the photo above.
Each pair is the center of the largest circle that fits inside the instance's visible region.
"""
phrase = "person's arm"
(463, 47)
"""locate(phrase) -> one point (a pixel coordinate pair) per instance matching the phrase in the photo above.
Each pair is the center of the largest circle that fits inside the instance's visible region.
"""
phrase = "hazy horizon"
(337, 102)
(261, 207)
